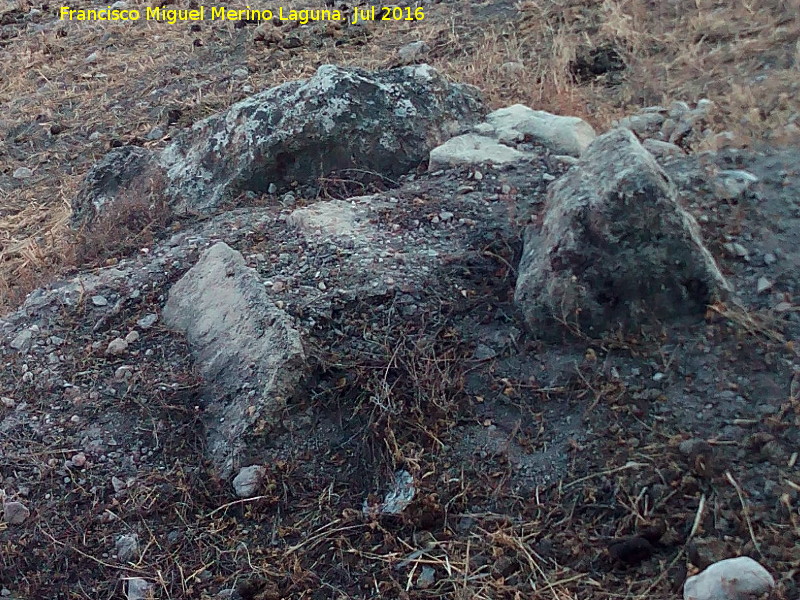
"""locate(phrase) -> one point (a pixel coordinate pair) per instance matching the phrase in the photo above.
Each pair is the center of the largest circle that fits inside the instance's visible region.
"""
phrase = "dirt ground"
(588, 469)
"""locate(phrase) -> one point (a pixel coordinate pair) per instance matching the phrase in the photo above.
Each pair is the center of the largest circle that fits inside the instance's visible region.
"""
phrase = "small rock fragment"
(763, 285)
(247, 482)
(147, 321)
(117, 346)
(127, 547)
(739, 578)
(732, 184)
(427, 577)
(15, 513)
(22, 173)
(138, 588)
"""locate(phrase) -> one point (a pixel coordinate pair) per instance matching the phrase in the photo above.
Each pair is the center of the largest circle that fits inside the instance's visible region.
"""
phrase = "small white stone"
(132, 337)
(247, 482)
(117, 346)
(99, 300)
(739, 578)
(147, 321)
(22, 173)
(763, 285)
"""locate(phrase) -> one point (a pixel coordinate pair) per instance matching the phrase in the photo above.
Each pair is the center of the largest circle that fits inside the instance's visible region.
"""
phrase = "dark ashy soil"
(586, 469)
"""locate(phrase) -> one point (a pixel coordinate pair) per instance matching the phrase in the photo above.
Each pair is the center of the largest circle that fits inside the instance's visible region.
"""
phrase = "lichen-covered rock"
(384, 122)
(242, 343)
(615, 249)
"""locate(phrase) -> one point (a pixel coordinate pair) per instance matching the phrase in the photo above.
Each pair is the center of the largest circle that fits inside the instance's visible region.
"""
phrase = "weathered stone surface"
(473, 149)
(739, 578)
(123, 171)
(561, 135)
(242, 343)
(644, 124)
(615, 248)
(661, 149)
(385, 121)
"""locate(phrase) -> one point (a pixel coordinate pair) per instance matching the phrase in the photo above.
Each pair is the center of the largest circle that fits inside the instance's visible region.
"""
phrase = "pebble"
(446, 215)
(15, 513)
(763, 285)
(127, 547)
(732, 184)
(99, 300)
(22, 173)
(736, 250)
(147, 321)
(138, 588)
(427, 577)
(132, 337)
(79, 459)
(769, 258)
(117, 346)
(247, 482)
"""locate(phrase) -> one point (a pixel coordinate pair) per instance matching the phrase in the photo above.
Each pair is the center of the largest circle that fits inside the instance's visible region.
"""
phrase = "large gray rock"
(243, 345)
(384, 122)
(615, 249)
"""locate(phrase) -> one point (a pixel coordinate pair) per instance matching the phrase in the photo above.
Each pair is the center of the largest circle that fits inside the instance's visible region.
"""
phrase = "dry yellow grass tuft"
(72, 90)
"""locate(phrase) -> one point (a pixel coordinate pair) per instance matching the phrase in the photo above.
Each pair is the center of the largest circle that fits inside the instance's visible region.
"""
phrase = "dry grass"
(745, 56)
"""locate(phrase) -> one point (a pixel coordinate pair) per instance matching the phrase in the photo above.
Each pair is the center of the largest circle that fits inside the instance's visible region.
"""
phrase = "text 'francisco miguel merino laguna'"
(221, 13)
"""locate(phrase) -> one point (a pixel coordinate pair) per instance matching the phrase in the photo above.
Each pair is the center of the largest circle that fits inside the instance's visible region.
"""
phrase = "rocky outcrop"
(242, 343)
(615, 249)
(383, 122)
